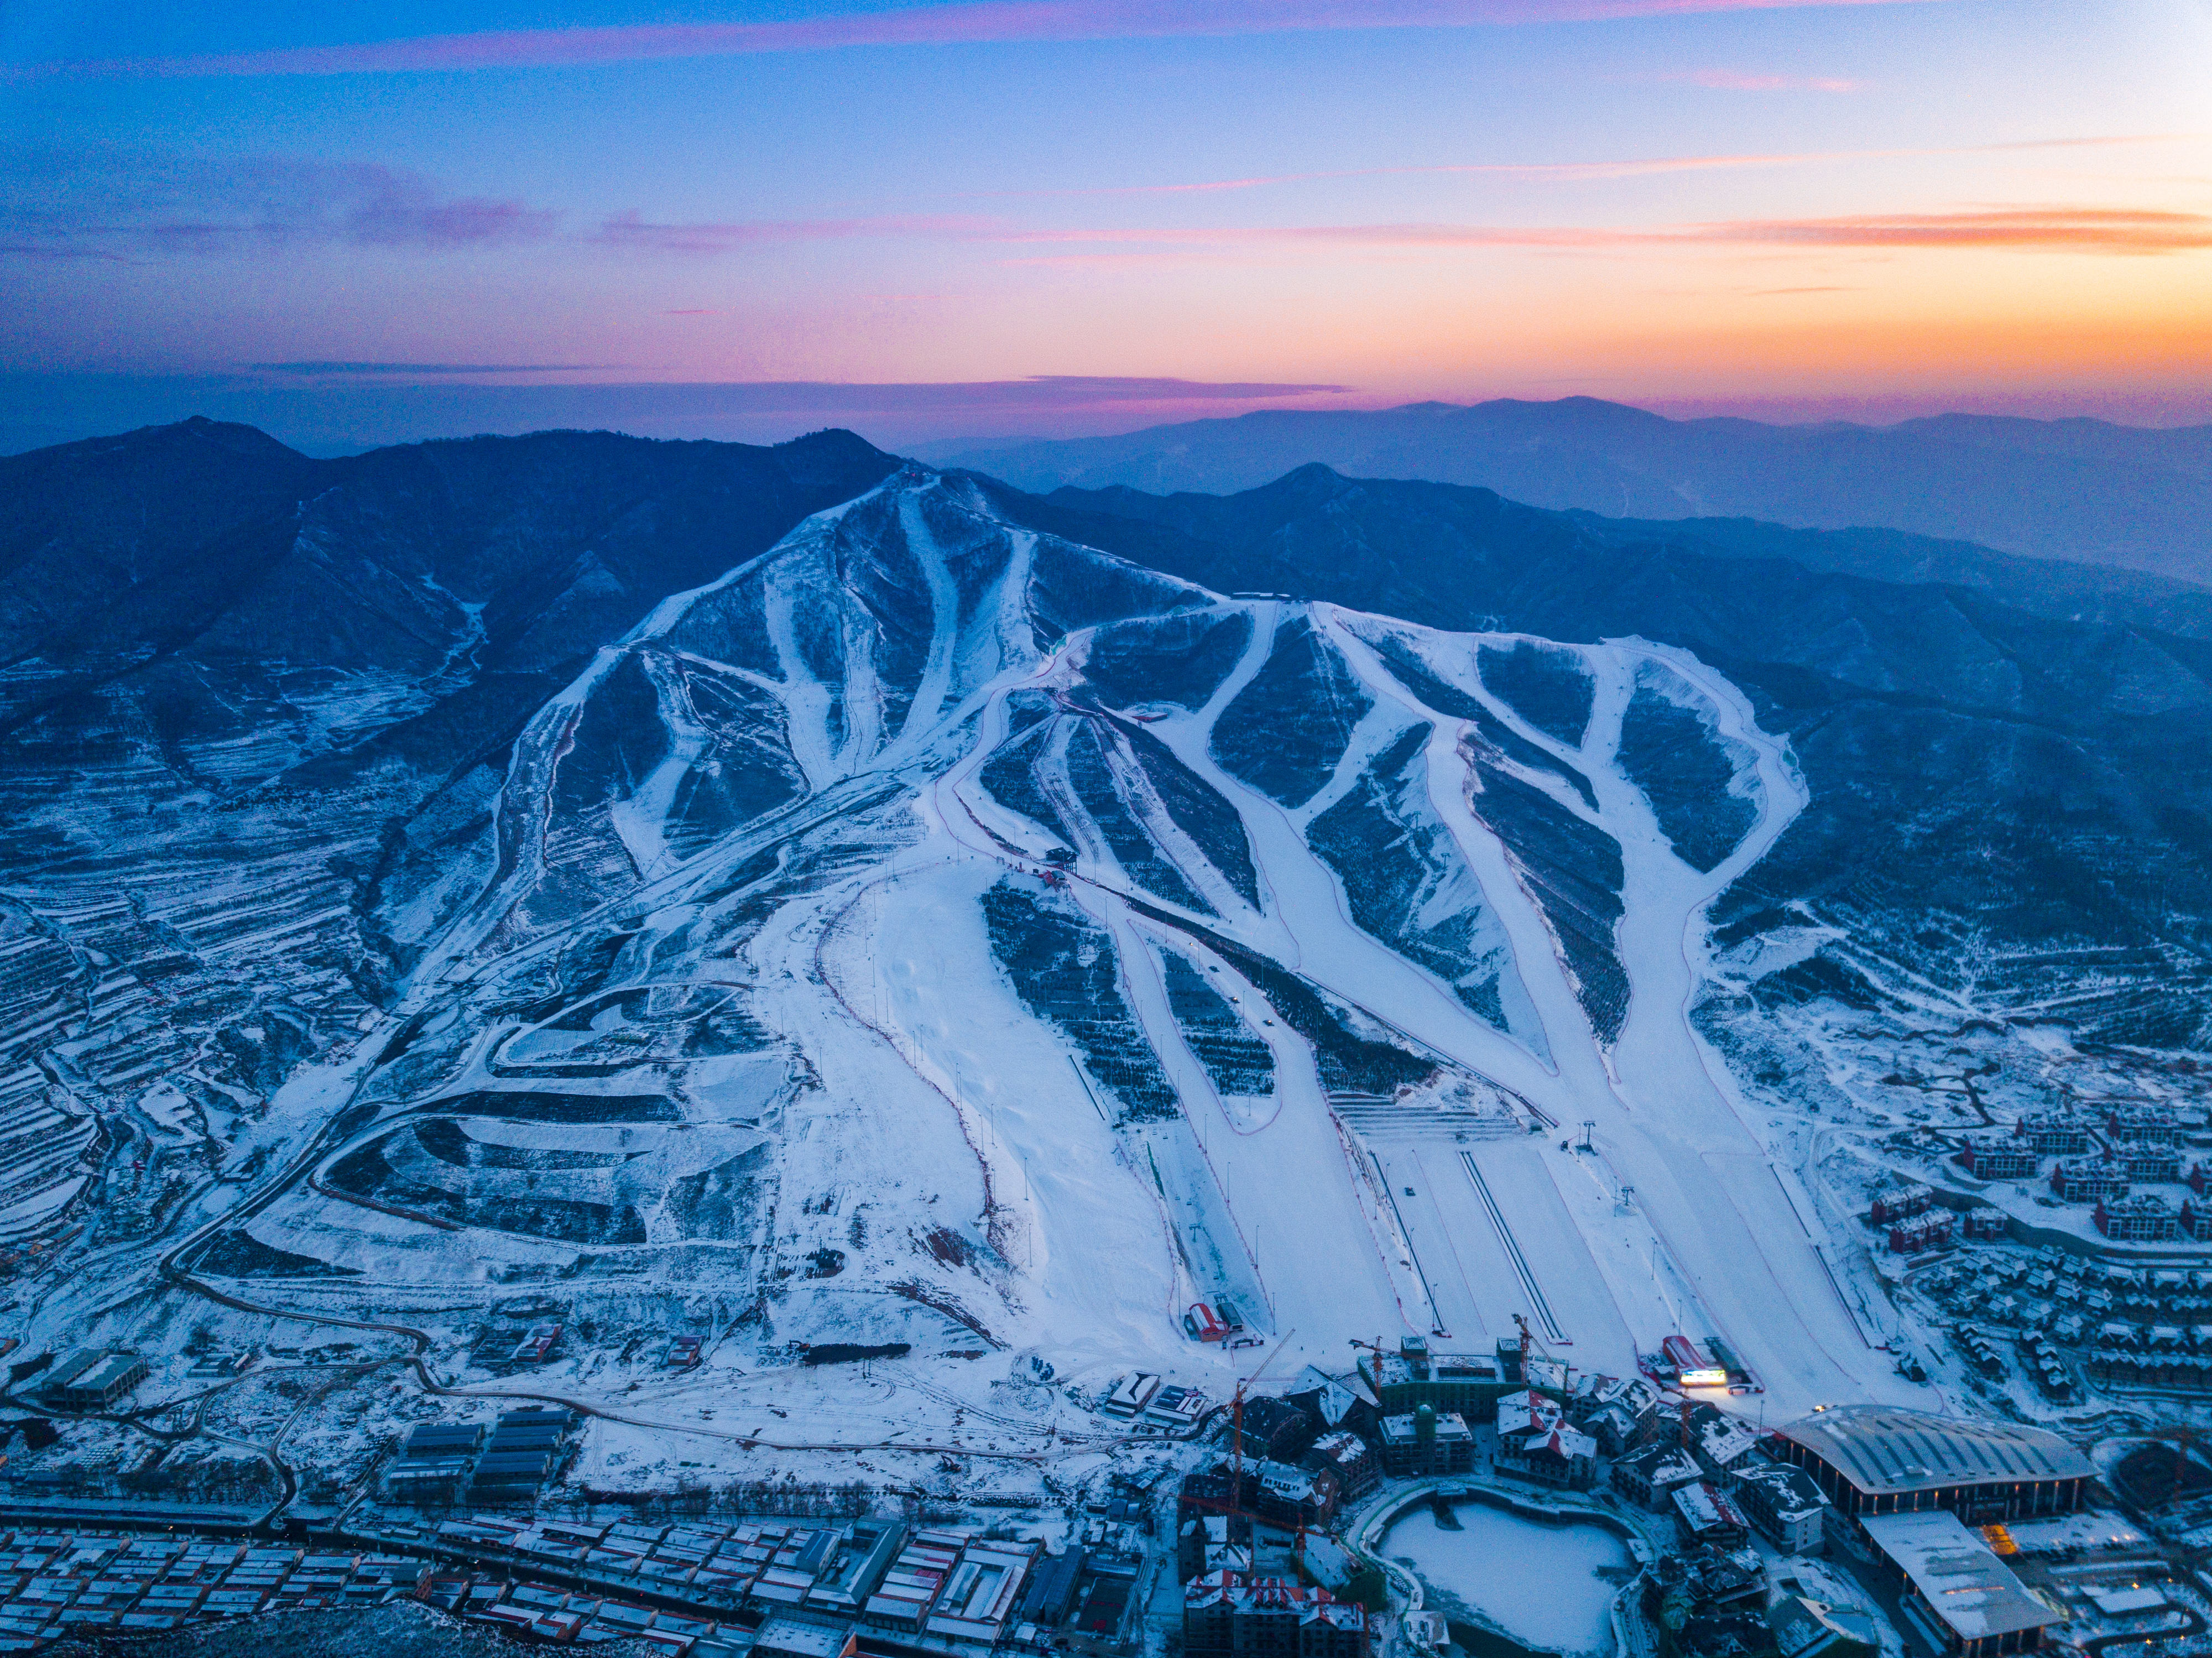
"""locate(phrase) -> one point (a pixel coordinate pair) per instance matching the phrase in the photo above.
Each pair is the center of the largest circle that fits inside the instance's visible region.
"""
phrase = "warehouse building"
(92, 1379)
(1875, 1459)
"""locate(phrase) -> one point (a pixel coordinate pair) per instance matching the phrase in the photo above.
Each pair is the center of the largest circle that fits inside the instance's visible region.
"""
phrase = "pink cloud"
(1572, 171)
(967, 22)
(1729, 80)
(628, 230)
(2040, 229)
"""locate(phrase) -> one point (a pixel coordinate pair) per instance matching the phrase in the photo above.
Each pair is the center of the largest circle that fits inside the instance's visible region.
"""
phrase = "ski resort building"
(1997, 1159)
(1651, 1477)
(1782, 1502)
(1919, 1234)
(1424, 1442)
(1293, 1496)
(1467, 1384)
(1705, 1516)
(2090, 1179)
(2053, 1134)
(1347, 1456)
(1275, 1430)
(1901, 1202)
(1964, 1598)
(1225, 1615)
(2143, 1124)
(1871, 1459)
(1556, 1455)
(2139, 1219)
(2155, 1164)
(2197, 1221)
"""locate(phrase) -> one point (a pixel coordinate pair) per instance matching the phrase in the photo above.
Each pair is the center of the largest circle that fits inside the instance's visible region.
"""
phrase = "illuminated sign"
(1710, 1376)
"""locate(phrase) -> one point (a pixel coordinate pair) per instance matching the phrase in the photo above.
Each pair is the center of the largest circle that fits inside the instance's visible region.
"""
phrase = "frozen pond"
(1541, 1584)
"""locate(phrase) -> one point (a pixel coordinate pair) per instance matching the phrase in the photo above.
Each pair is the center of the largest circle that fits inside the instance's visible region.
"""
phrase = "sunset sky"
(1025, 214)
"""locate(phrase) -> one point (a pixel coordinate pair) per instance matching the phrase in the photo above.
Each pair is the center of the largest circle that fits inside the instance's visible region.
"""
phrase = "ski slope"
(1094, 945)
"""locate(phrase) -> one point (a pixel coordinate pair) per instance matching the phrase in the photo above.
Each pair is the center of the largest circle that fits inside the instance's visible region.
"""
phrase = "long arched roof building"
(1873, 1459)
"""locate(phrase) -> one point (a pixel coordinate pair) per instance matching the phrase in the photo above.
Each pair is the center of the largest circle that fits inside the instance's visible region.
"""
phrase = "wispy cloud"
(628, 230)
(1729, 80)
(412, 369)
(98, 205)
(55, 251)
(974, 22)
(1597, 171)
(2037, 229)
(2041, 229)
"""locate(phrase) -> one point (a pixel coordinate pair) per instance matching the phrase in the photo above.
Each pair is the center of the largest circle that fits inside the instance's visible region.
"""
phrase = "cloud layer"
(101, 204)
(975, 22)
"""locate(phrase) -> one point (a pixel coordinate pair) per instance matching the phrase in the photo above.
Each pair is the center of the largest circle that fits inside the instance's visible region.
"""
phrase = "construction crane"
(1232, 1506)
(1236, 1415)
(1528, 1339)
(1376, 1348)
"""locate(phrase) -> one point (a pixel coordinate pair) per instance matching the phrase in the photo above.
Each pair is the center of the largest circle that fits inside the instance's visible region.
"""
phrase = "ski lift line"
(1435, 1317)
(1849, 1312)
(1087, 1094)
(1466, 1283)
(1369, 1215)
(1787, 1199)
(1512, 1248)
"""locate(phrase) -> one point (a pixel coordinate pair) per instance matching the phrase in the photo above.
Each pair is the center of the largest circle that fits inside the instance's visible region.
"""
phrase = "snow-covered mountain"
(935, 926)
(936, 931)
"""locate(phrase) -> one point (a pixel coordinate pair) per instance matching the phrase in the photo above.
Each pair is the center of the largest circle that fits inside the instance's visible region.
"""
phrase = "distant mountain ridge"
(2080, 489)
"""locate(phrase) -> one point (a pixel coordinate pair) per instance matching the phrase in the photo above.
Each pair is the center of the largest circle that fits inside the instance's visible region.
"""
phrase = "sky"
(361, 223)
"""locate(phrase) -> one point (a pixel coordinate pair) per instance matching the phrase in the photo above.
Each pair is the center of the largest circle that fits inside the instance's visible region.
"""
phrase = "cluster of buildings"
(2147, 1218)
(877, 1579)
(1922, 1490)
(93, 1586)
(1712, 1472)
(1916, 1225)
(441, 1462)
(2100, 1158)
(1229, 1615)
(2125, 1326)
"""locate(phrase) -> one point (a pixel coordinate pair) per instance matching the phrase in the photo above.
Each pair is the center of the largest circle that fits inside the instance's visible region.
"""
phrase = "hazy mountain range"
(2080, 489)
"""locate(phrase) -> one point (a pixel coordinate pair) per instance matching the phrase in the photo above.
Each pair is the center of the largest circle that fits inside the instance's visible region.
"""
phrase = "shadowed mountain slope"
(1988, 774)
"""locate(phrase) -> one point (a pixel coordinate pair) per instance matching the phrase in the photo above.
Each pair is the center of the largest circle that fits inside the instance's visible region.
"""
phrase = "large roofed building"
(1873, 1460)
(1960, 1594)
